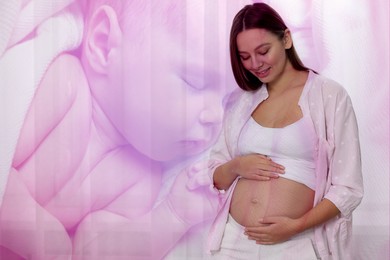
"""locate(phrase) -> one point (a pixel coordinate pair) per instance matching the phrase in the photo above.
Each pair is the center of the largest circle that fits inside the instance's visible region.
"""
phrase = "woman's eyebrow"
(262, 45)
(258, 47)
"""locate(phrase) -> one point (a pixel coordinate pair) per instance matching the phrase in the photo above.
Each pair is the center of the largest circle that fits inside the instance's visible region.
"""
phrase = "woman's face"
(263, 53)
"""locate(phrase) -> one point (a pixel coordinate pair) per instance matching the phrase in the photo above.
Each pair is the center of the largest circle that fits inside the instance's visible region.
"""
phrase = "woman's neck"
(290, 78)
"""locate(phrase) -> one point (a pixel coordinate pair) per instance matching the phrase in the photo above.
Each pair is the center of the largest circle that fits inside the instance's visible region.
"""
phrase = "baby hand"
(191, 197)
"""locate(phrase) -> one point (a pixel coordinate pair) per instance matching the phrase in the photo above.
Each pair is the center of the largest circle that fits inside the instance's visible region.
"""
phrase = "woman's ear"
(287, 39)
(103, 36)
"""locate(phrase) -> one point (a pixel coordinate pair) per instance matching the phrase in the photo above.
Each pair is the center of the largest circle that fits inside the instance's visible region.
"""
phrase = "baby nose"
(212, 115)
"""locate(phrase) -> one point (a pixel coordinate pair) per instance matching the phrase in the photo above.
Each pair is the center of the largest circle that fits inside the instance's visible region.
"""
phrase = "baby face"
(169, 81)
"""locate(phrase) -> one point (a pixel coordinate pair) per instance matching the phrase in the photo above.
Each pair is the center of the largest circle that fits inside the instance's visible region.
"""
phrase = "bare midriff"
(253, 200)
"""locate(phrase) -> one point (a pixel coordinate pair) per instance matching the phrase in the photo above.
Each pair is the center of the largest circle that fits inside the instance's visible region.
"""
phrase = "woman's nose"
(256, 64)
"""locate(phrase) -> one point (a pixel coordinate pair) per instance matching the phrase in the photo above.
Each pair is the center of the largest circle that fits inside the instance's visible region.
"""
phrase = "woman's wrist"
(303, 223)
(233, 167)
(300, 225)
(321, 213)
(225, 175)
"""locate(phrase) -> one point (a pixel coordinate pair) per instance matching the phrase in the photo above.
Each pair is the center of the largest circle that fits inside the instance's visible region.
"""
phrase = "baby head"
(156, 70)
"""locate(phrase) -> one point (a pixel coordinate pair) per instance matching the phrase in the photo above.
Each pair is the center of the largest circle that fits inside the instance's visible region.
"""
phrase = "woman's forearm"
(321, 213)
(224, 175)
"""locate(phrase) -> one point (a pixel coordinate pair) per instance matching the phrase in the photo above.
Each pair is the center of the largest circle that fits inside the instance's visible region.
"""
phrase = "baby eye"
(194, 83)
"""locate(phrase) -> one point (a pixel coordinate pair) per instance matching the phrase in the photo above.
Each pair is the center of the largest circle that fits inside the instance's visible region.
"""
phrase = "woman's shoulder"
(327, 86)
(233, 97)
(239, 97)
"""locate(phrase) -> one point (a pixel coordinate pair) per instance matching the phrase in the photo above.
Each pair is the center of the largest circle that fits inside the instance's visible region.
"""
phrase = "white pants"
(236, 245)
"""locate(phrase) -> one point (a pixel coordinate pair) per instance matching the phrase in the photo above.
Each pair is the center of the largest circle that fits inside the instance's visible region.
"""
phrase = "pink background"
(347, 41)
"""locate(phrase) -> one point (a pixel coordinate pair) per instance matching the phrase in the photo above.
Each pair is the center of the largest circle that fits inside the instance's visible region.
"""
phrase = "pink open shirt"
(338, 165)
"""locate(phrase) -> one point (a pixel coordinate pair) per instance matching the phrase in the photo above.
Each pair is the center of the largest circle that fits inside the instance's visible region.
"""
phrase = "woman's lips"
(263, 73)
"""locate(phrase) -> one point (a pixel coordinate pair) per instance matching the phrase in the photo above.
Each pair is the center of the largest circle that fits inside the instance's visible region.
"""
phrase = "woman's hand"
(272, 230)
(257, 167)
(252, 166)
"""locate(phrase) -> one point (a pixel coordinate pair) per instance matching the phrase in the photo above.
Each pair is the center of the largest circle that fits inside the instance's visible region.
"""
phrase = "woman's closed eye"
(263, 52)
(244, 57)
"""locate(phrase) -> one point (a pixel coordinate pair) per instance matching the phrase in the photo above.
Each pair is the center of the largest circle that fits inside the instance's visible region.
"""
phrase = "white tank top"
(293, 146)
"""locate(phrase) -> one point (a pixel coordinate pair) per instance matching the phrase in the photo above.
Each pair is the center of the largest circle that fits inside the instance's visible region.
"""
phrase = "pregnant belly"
(253, 200)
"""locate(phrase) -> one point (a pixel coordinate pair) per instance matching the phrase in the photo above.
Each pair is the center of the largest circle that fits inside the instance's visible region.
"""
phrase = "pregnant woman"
(283, 114)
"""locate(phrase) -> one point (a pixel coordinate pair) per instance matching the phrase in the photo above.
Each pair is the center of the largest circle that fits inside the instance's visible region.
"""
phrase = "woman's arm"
(324, 211)
(345, 167)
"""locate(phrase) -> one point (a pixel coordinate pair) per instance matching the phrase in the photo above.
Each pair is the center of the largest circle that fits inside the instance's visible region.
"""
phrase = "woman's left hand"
(272, 230)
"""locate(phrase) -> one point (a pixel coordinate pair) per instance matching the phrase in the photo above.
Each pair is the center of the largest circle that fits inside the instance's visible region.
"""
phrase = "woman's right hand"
(257, 167)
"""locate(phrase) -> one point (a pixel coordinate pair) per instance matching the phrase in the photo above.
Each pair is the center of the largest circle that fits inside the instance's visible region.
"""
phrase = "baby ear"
(103, 36)
(287, 39)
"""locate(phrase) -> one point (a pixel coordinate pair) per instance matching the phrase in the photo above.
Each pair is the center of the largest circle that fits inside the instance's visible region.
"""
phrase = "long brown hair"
(260, 16)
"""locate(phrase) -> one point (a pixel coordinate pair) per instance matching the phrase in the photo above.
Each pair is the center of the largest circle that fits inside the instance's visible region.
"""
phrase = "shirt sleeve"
(220, 152)
(346, 187)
